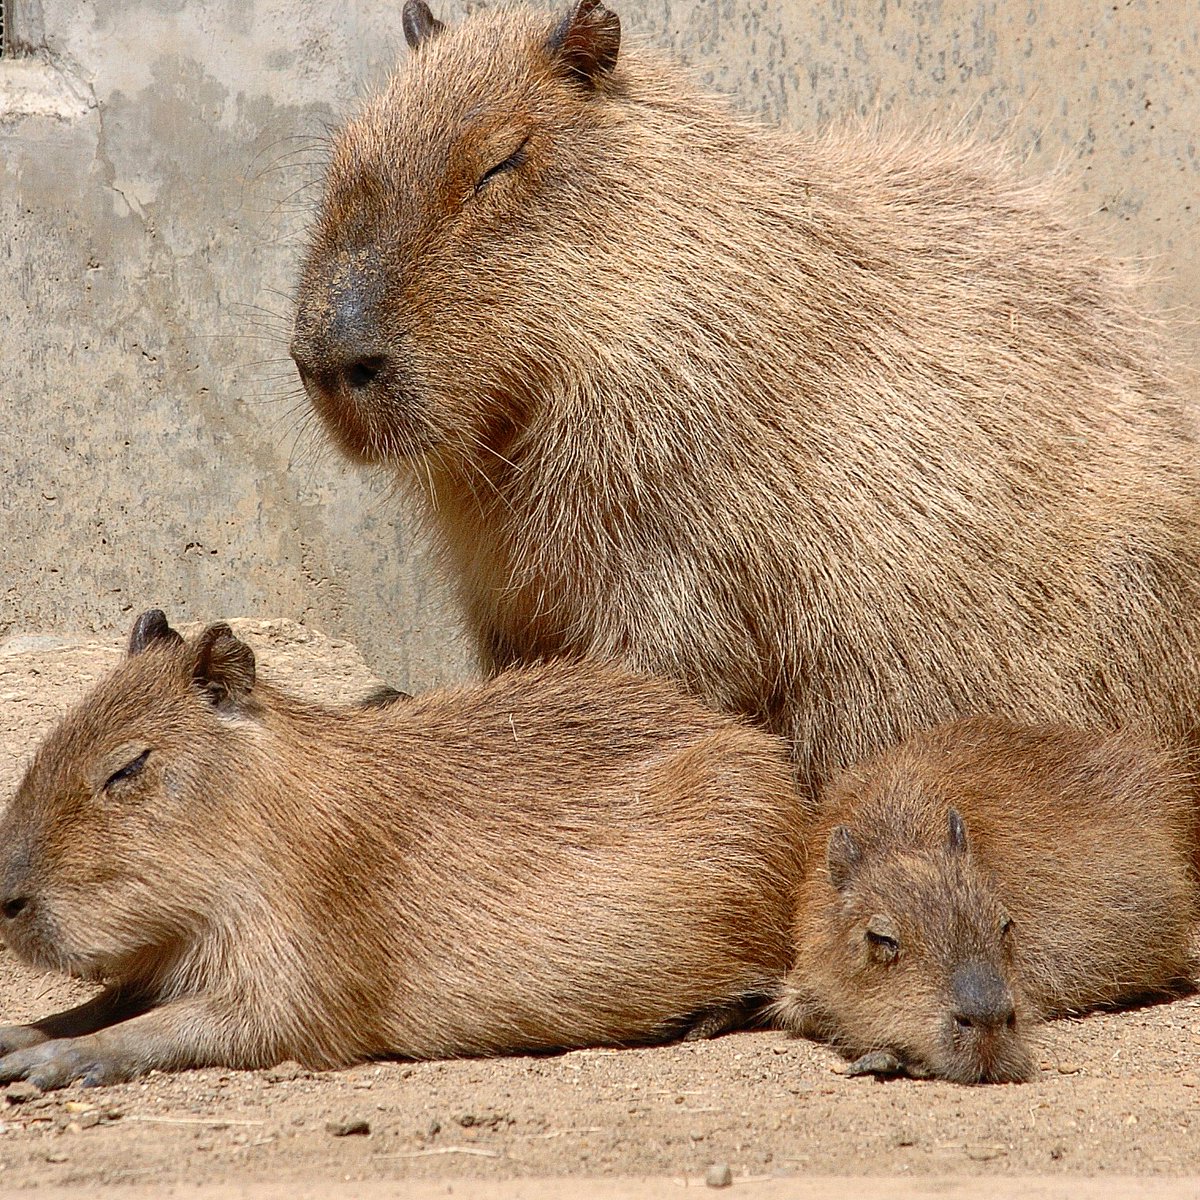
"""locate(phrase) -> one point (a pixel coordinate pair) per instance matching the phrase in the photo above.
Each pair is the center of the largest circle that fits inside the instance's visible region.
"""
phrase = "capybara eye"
(883, 946)
(511, 163)
(1006, 924)
(883, 938)
(128, 771)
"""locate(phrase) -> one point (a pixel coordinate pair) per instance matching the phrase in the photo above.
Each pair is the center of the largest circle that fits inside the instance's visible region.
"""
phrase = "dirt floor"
(1115, 1111)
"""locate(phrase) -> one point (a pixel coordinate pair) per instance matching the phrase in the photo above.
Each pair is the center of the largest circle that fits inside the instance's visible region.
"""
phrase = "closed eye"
(511, 163)
(128, 771)
(883, 947)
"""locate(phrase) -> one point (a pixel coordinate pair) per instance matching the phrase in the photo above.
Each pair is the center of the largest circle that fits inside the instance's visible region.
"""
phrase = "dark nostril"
(14, 907)
(364, 372)
(965, 1022)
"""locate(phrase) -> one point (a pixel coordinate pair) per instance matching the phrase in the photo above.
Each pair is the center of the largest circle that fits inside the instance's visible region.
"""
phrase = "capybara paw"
(56, 1064)
(19, 1037)
(878, 1063)
(723, 1019)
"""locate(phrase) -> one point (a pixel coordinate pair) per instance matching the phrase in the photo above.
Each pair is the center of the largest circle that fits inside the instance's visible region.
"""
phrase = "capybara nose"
(336, 375)
(980, 998)
(14, 906)
(336, 343)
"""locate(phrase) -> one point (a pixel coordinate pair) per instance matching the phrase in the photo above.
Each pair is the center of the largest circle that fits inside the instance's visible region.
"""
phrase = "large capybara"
(569, 855)
(982, 875)
(851, 433)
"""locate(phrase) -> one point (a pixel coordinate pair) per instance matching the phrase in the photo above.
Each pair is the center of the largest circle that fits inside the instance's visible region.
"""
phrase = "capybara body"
(982, 875)
(569, 855)
(851, 432)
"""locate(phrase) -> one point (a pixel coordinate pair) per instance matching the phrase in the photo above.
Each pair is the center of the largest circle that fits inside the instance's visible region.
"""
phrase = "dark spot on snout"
(14, 906)
(980, 998)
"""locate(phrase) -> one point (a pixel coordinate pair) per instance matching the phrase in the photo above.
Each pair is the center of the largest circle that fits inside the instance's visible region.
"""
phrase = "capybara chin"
(850, 431)
(981, 876)
(569, 855)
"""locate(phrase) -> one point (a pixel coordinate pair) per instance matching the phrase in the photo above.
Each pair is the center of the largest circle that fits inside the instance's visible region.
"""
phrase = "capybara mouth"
(40, 943)
(1000, 1057)
(372, 426)
(35, 942)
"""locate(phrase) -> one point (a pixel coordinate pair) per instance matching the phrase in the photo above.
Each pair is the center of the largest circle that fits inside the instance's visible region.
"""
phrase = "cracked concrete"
(155, 161)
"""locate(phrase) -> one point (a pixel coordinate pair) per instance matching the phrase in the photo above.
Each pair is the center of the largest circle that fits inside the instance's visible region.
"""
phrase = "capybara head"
(108, 847)
(910, 951)
(453, 224)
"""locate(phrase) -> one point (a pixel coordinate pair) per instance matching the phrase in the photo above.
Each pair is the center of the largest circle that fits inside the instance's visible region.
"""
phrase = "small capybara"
(980, 876)
(849, 432)
(569, 855)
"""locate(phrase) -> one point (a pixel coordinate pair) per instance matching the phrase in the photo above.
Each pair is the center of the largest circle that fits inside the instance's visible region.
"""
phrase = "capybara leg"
(736, 1014)
(180, 1034)
(107, 1007)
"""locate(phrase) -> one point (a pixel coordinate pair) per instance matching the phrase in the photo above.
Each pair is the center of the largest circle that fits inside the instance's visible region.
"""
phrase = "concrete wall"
(154, 157)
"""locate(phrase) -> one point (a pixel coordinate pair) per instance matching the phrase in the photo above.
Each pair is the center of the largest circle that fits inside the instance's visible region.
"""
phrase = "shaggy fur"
(848, 432)
(569, 855)
(1086, 842)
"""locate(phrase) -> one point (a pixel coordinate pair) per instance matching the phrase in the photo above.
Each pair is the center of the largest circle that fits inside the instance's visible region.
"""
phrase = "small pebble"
(285, 1072)
(719, 1175)
(21, 1092)
(1069, 1068)
(348, 1128)
(56, 1156)
(484, 1120)
(985, 1153)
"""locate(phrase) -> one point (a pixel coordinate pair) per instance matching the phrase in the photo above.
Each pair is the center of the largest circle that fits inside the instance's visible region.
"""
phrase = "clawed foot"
(883, 1064)
(55, 1064)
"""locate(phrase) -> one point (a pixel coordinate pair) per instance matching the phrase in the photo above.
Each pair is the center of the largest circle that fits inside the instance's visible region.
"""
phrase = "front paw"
(57, 1063)
(883, 1064)
(19, 1037)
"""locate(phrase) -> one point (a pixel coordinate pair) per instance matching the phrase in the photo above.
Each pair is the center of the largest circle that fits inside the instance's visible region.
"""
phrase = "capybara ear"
(224, 666)
(149, 628)
(843, 857)
(419, 23)
(956, 833)
(586, 41)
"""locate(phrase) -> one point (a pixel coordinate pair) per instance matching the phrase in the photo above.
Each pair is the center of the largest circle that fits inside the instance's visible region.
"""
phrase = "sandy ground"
(1115, 1111)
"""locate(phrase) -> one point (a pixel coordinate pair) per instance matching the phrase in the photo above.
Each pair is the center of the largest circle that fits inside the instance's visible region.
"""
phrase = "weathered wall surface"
(154, 157)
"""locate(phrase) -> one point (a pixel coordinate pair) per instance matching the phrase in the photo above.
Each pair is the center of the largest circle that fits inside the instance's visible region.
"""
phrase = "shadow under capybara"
(980, 876)
(849, 432)
(568, 855)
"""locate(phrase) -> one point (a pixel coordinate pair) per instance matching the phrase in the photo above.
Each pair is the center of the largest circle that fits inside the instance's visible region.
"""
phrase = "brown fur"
(569, 855)
(1086, 841)
(848, 432)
